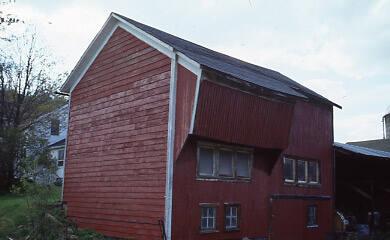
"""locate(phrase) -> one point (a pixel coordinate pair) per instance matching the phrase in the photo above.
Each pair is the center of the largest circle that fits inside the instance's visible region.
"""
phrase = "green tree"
(27, 85)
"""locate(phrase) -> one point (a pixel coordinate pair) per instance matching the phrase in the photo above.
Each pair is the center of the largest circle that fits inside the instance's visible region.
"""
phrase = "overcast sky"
(341, 49)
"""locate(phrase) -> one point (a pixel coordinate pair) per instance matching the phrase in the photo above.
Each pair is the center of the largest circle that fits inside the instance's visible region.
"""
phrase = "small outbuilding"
(363, 184)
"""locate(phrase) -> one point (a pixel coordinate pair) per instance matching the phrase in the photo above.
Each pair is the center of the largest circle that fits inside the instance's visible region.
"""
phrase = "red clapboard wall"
(117, 141)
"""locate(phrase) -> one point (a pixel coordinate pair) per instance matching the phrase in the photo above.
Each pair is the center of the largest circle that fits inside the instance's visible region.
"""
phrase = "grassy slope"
(12, 213)
(13, 209)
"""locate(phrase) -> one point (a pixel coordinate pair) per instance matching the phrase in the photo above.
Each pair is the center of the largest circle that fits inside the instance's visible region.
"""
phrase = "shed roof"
(234, 67)
(378, 144)
(59, 143)
(363, 151)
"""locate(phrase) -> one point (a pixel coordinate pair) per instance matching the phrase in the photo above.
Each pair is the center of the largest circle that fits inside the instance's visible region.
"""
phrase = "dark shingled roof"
(362, 151)
(234, 67)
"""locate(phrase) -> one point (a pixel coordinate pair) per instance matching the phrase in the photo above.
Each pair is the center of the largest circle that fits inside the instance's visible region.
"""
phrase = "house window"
(289, 169)
(313, 172)
(225, 162)
(60, 157)
(243, 164)
(208, 218)
(231, 217)
(55, 127)
(312, 216)
(302, 171)
(206, 162)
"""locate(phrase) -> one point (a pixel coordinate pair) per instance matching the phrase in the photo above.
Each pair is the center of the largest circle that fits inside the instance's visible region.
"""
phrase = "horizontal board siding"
(117, 141)
(220, 116)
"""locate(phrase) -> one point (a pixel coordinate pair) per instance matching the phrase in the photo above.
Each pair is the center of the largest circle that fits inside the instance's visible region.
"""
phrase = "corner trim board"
(197, 88)
(170, 148)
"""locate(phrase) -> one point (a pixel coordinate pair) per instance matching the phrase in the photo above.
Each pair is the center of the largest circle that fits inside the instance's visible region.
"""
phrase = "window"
(232, 217)
(302, 171)
(312, 216)
(313, 172)
(60, 157)
(206, 162)
(208, 218)
(243, 164)
(55, 127)
(289, 169)
(225, 162)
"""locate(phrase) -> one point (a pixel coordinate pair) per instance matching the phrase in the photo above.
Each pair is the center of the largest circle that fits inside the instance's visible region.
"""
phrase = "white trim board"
(112, 23)
(170, 149)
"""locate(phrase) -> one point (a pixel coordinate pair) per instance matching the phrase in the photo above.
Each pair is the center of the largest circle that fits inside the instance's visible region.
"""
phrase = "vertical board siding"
(220, 116)
(185, 95)
(117, 141)
(310, 137)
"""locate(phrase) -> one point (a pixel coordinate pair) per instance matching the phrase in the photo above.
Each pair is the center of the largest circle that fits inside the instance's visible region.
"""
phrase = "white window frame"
(216, 148)
(293, 166)
(229, 214)
(208, 218)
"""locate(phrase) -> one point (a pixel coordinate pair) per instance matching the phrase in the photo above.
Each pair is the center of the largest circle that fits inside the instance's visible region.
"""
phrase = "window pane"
(226, 163)
(207, 218)
(204, 223)
(242, 164)
(60, 163)
(61, 154)
(301, 171)
(312, 216)
(313, 172)
(288, 169)
(231, 217)
(206, 162)
(234, 222)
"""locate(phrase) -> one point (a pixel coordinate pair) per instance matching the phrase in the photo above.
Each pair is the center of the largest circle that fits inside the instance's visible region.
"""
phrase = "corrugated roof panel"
(363, 150)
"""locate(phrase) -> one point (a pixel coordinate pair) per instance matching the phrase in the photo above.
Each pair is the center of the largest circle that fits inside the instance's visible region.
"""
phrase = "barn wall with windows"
(117, 141)
(265, 193)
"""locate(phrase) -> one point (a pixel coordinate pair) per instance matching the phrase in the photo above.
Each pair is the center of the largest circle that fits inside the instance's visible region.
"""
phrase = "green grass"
(14, 210)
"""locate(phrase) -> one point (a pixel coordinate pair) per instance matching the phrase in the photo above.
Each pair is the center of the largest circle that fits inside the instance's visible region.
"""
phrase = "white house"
(53, 127)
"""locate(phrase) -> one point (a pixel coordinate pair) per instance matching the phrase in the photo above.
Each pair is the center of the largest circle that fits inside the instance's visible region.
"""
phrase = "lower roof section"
(361, 151)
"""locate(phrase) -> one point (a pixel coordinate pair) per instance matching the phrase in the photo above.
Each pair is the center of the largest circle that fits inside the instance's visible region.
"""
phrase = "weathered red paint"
(116, 152)
(117, 149)
(233, 116)
(310, 136)
(185, 95)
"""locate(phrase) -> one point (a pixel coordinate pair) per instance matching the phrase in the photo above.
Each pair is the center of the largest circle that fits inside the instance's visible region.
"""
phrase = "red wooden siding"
(220, 116)
(290, 220)
(310, 137)
(185, 94)
(117, 142)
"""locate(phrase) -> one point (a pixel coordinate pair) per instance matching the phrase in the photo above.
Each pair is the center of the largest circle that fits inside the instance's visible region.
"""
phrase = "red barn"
(168, 139)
